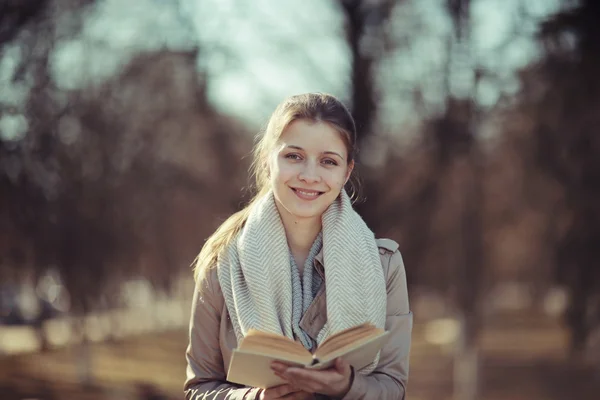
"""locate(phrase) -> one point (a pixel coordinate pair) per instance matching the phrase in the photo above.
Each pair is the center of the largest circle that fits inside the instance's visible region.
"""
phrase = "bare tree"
(566, 137)
(366, 36)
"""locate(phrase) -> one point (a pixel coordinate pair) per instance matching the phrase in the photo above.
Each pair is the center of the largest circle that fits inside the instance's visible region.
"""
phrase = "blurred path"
(523, 357)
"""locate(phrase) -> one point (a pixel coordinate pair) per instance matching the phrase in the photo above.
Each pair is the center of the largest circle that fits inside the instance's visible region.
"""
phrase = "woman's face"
(308, 168)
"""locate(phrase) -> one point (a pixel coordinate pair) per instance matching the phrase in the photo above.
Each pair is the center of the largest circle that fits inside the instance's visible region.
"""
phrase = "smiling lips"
(306, 194)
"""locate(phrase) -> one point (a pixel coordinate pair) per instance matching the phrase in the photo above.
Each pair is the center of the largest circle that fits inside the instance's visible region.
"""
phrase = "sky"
(502, 42)
(258, 52)
(269, 50)
(114, 31)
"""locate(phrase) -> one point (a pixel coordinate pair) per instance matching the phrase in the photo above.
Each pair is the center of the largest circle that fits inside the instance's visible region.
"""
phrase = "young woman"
(300, 262)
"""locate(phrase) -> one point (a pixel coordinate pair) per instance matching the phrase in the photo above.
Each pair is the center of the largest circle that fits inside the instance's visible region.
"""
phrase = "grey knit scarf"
(261, 284)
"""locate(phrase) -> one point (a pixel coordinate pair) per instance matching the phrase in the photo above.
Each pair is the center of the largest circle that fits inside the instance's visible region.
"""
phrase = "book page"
(350, 337)
(270, 343)
(357, 355)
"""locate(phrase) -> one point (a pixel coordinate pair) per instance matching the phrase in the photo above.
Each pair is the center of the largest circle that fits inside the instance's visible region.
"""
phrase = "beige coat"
(212, 338)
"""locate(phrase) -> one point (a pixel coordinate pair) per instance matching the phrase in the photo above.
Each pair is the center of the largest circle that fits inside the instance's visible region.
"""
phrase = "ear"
(349, 172)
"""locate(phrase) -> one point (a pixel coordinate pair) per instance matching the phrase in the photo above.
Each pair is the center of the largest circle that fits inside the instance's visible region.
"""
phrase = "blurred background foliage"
(125, 132)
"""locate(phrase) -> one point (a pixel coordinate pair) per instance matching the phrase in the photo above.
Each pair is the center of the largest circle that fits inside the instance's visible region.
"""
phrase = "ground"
(523, 357)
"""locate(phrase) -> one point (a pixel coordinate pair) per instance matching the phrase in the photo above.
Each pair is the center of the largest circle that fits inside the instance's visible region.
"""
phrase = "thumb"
(342, 366)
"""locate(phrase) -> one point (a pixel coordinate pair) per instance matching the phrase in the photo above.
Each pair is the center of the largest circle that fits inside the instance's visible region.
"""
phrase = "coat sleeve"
(388, 381)
(206, 378)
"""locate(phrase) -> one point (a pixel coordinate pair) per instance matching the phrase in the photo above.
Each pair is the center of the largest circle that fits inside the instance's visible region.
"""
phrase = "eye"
(329, 161)
(293, 156)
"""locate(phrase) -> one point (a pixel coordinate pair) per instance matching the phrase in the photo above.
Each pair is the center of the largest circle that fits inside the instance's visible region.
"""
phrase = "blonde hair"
(316, 107)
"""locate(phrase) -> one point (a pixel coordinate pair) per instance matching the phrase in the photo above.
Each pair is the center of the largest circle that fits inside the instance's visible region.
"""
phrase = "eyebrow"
(291, 146)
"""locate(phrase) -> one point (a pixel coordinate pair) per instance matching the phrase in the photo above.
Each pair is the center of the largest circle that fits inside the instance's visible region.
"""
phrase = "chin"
(302, 209)
(306, 214)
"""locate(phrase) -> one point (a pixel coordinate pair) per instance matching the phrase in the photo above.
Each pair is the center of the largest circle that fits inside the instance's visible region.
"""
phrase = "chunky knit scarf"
(262, 287)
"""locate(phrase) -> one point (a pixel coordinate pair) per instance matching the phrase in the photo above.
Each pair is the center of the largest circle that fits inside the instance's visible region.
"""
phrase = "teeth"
(307, 194)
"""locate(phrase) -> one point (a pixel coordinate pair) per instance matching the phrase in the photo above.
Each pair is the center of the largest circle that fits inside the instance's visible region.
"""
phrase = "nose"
(309, 173)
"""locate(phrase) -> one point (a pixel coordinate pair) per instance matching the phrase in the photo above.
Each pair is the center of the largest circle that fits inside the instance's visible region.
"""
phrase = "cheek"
(281, 172)
(337, 180)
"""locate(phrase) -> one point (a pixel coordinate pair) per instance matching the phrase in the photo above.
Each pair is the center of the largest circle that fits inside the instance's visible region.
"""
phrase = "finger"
(295, 396)
(278, 391)
(319, 381)
(285, 389)
(305, 396)
(308, 381)
(288, 396)
(279, 367)
(342, 366)
(324, 375)
(283, 377)
(301, 396)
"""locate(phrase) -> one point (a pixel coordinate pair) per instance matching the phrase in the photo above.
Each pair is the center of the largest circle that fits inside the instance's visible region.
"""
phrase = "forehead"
(316, 136)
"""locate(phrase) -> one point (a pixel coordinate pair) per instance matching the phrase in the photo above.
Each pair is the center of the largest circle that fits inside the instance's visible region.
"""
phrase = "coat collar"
(319, 265)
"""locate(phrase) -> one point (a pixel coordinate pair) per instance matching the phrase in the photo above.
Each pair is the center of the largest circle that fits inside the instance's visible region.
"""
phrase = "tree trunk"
(470, 280)
(40, 334)
(84, 363)
(466, 362)
(362, 89)
(83, 355)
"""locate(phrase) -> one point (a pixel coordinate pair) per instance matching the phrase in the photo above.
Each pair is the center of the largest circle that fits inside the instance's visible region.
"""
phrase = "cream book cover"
(250, 363)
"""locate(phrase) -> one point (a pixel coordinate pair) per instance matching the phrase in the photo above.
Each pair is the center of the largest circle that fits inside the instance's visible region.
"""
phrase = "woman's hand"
(284, 392)
(335, 381)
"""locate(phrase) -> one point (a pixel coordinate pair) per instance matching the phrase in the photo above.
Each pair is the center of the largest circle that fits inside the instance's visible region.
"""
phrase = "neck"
(300, 232)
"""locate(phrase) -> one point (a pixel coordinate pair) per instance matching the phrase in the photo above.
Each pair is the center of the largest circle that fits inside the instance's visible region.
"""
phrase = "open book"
(251, 362)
